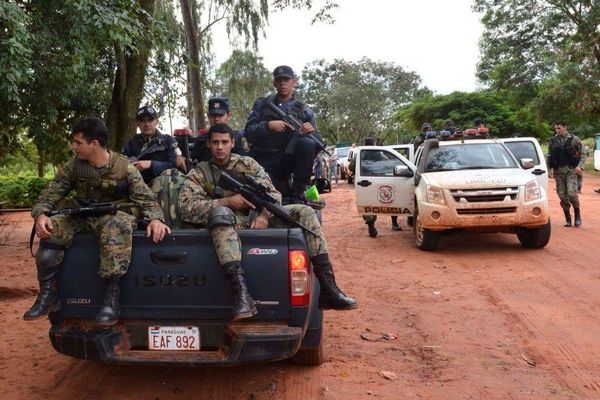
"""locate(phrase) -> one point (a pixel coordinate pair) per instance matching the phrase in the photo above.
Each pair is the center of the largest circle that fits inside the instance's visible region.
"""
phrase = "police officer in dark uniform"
(565, 163)
(269, 136)
(151, 151)
(219, 113)
(420, 138)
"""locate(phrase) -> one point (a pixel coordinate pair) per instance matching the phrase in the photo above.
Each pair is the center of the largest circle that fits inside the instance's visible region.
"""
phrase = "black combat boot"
(567, 218)
(109, 311)
(46, 302)
(243, 305)
(372, 230)
(331, 296)
(48, 259)
(577, 216)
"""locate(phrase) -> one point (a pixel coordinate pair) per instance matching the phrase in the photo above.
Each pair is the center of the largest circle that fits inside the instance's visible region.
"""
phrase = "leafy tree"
(354, 100)
(242, 78)
(245, 19)
(463, 108)
(544, 52)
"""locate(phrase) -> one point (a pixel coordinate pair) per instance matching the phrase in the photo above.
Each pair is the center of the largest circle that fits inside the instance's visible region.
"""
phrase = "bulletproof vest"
(111, 185)
(276, 143)
(563, 154)
(212, 174)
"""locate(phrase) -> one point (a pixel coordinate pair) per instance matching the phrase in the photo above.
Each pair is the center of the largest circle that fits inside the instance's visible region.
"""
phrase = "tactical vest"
(212, 179)
(563, 155)
(91, 186)
(157, 149)
(276, 143)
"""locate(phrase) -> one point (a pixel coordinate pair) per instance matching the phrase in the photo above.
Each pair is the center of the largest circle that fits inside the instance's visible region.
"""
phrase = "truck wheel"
(309, 356)
(535, 238)
(424, 238)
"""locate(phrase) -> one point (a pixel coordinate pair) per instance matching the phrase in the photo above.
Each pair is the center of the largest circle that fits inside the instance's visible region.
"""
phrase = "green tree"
(354, 100)
(242, 78)
(463, 108)
(544, 54)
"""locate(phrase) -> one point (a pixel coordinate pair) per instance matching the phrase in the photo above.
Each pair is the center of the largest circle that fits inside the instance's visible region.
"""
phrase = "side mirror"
(403, 171)
(527, 163)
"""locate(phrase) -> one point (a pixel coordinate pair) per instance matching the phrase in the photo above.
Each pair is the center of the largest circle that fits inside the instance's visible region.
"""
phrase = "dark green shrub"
(20, 191)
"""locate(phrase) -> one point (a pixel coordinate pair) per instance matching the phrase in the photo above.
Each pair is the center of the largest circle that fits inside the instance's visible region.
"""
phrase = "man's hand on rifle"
(279, 126)
(261, 221)
(43, 226)
(236, 202)
(157, 230)
(180, 163)
(306, 128)
(142, 165)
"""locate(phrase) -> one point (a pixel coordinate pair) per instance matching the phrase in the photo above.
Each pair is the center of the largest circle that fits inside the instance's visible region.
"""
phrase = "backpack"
(166, 187)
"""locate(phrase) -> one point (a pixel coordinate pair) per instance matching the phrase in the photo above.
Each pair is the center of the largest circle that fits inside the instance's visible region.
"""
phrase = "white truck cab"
(470, 185)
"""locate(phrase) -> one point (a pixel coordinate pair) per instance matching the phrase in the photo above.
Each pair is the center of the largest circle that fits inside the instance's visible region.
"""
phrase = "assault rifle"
(92, 209)
(296, 124)
(256, 193)
(88, 210)
(156, 147)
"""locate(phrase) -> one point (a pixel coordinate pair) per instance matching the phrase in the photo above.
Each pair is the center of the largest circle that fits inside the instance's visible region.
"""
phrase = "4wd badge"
(385, 194)
(262, 252)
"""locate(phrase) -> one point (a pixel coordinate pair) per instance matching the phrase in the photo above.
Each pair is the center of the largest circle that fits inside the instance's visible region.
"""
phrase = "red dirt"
(481, 318)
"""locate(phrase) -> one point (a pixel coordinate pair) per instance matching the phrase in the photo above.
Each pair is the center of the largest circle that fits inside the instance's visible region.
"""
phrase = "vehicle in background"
(346, 166)
(456, 185)
(528, 147)
(597, 151)
(342, 155)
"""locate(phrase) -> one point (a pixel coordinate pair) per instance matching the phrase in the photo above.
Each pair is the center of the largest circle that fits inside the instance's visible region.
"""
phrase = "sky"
(437, 39)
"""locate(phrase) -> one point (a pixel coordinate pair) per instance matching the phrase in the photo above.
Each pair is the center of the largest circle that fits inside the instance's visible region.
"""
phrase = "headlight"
(532, 191)
(435, 195)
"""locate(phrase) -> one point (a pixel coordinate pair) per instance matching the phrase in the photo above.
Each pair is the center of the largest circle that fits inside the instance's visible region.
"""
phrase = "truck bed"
(179, 282)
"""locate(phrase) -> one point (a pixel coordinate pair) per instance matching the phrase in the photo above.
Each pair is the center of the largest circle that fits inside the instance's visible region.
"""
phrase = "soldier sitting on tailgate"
(202, 201)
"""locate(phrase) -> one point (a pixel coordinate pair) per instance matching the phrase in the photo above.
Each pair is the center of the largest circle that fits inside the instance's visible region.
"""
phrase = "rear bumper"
(126, 343)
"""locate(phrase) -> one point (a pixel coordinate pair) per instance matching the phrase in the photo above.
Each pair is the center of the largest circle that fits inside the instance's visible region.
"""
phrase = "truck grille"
(485, 195)
(494, 210)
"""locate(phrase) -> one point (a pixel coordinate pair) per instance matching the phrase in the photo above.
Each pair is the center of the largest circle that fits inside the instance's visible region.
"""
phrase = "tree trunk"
(128, 88)
(195, 81)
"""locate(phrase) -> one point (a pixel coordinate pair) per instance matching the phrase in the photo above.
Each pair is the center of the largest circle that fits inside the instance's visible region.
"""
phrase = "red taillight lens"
(300, 282)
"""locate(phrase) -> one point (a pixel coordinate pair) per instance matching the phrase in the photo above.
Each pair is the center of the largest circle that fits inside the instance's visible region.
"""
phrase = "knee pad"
(48, 260)
(221, 216)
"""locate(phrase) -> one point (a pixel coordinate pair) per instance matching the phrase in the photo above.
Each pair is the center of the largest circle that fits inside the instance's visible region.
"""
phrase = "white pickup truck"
(459, 185)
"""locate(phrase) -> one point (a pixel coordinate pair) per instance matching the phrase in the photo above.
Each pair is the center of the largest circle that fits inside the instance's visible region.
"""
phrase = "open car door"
(384, 182)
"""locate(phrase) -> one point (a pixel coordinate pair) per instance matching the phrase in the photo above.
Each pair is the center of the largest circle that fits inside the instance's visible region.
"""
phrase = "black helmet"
(369, 141)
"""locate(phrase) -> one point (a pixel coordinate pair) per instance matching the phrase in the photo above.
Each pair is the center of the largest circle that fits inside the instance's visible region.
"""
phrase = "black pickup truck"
(176, 305)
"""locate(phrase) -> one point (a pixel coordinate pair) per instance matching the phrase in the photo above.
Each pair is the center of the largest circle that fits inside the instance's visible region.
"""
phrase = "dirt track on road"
(481, 318)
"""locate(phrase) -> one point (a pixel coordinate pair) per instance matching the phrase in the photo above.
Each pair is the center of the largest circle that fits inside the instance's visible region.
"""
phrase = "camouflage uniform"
(115, 231)
(564, 168)
(197, 198)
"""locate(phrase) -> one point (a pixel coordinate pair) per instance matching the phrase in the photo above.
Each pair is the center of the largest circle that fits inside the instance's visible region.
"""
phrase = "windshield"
(342, 151)
(469, 156)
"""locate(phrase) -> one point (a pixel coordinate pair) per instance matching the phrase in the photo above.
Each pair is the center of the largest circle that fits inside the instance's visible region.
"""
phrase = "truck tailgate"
(180, 277)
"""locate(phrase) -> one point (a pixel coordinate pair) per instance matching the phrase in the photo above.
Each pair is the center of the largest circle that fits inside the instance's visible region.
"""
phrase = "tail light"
(300, 280)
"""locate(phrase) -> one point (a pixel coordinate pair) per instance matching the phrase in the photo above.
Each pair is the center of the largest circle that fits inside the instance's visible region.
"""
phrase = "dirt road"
(481, 318)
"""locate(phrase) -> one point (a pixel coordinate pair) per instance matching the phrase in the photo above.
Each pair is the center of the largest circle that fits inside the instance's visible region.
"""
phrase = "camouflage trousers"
(115, 232)
(566, 187)
(228, 246)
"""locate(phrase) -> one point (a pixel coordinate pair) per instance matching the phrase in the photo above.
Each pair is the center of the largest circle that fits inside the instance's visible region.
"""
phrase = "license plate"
(173, 338)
